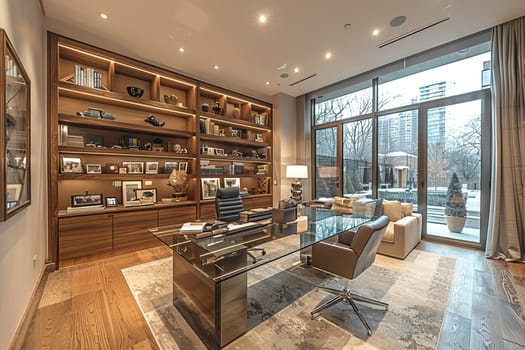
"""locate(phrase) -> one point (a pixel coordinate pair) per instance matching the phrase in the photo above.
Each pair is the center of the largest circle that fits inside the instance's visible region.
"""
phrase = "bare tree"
(437, 164)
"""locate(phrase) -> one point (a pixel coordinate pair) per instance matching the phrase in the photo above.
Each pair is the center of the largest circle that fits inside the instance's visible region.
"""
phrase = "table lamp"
(297, 172)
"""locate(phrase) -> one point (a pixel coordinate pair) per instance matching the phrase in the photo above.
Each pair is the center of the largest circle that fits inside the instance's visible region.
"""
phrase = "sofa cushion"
(392, 209)
(344, 205)
(407, 209)
(365, 207)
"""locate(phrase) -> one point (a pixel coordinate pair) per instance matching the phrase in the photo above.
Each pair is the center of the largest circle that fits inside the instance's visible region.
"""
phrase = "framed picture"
(183, 166)
(111, 201)
(209, 187)
(13, 192)
(72, 165)
(232, 182)
(93, 169)
(134, 167)
(129, 197)
(122, 170)
(146, 196)
(152, 167)
(86, 200)
(170, 166)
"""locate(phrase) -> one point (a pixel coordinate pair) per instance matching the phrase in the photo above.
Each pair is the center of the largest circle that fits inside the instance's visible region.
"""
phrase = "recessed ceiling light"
(397, 21)
(216, 67)
(181, 49)
(328, 55)
(347, 26)
(103, 16)
(375, 32)
(267, 83)
(296, 70)
(262, 18)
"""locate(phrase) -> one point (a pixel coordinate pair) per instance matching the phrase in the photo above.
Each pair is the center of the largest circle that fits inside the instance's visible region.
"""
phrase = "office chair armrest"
(334, 258)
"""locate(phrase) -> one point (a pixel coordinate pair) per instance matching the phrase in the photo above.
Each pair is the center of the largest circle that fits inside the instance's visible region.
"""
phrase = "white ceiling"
(298, 33)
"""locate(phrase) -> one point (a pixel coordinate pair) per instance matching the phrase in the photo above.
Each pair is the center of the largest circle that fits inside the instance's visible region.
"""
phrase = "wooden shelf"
(234, 122)
(124, 152)
(121, 126)
(82, 176)
(233, 175)
(231, 159)
(233, 141)
(114, 98)
(120, 209)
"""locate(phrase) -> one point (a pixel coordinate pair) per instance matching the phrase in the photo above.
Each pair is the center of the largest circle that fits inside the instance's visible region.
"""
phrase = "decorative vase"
(217, 108)
(456, 223)
(205, 107)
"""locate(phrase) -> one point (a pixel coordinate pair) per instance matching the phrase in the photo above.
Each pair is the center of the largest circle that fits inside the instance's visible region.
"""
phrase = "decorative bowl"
(135, 91)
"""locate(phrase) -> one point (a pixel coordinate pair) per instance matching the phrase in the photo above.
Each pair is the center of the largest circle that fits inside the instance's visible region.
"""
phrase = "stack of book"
(87, 76)
(263, 169)
(257, 214)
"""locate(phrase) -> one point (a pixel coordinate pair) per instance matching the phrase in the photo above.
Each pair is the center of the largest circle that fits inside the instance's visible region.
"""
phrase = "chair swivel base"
(350, 298)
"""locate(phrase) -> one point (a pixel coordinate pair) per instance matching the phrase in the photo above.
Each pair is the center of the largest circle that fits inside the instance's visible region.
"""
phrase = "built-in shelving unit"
(97, 128)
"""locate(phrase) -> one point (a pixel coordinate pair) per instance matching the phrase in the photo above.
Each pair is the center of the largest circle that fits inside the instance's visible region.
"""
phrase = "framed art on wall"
(209, 187)
(232, 182)
(129, 188)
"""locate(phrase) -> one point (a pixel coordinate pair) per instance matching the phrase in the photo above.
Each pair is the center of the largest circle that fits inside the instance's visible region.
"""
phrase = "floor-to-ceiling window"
(403, 133)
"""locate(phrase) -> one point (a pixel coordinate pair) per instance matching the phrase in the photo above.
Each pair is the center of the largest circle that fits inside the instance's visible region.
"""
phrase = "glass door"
(455, 203)
(326, 163)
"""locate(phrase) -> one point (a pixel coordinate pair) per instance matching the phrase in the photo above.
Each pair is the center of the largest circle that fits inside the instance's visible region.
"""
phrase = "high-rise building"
(436, 116)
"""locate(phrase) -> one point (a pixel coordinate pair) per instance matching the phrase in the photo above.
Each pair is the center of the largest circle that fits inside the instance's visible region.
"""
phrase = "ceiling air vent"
(300, 81)
(412, 32)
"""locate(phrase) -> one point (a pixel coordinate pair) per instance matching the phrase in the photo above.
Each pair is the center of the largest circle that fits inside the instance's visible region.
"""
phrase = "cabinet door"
(177, 215)
(208, 211)
(256, 202)
(131, 230)
(84, 235)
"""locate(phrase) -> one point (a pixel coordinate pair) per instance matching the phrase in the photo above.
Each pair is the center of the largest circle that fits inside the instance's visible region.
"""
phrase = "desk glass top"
(224, 255)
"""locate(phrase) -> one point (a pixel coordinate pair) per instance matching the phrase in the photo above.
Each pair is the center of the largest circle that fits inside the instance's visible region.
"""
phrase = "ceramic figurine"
(217, 108)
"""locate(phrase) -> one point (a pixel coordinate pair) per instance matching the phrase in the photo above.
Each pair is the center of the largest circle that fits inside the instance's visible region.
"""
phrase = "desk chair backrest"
(228, 204)
(365, 243)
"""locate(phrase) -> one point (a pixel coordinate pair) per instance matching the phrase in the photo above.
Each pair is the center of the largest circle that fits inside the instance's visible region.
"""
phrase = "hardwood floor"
(89, 306)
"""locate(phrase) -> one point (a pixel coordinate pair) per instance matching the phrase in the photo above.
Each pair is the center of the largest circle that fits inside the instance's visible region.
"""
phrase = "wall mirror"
(15, 179)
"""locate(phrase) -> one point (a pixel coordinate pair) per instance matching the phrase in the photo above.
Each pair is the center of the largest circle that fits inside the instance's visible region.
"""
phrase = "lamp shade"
(297, 171)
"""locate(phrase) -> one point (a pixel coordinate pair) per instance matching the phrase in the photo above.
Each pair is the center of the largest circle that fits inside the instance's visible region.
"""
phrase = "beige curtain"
(506, 236)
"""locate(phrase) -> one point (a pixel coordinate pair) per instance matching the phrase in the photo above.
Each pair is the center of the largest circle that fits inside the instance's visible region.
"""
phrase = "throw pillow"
(343, 205)
(392, 209)
(364, 207)
(407, 209)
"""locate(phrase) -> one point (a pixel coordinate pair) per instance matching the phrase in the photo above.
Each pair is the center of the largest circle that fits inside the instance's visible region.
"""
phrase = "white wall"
(24, 236)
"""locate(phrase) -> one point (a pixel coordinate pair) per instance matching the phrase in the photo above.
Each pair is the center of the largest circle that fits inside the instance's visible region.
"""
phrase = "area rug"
(282, 294)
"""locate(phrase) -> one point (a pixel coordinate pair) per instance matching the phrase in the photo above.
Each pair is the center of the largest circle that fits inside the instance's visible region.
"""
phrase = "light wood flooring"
(93, 308)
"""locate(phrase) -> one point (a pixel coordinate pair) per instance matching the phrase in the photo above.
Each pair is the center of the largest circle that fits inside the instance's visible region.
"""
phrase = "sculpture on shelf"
(178, 180)
(217, 108)
(135, 91)
(96, 113)
(171, 99)
(154, 121)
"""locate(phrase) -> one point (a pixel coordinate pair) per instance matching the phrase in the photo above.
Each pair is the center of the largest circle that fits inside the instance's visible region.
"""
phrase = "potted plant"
(455, 210)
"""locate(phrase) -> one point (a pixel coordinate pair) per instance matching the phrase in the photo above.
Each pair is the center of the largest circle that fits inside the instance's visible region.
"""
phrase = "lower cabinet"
(116, 232)
(79, 235)
(257, 202)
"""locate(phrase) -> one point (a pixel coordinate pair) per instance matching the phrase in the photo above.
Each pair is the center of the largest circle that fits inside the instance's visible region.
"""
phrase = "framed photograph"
(146, 196)
(122, 170)
(209, 187)
(134, 167)
(93, 169)
(152, 167)
(111, 201)
(72, 165)
(13, 192)
(129, 197)
(219, 151)
(170, 166)
(232, 182)
(183, 166)
(86, 200)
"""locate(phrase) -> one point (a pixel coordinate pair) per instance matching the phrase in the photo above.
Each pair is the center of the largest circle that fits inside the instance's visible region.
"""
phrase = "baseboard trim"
(18, 340)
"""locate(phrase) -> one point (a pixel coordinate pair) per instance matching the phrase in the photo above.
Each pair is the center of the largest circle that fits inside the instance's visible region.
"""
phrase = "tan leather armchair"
(349, 257)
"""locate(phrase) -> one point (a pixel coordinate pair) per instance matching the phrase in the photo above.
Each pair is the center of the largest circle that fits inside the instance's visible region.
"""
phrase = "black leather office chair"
(228, 207)
(349, 257)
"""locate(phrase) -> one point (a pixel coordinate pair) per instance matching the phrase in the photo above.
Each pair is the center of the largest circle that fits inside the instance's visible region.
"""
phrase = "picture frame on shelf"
(111, 202)
(93, 169)
(170, 166)
(72, 165)
(232, 182)
(152, 167)
(122, 170)
(146, 196)
(183, 166)
(86, 200)
(209, 187)
(13, 192)
(134, 167)
(129, 188)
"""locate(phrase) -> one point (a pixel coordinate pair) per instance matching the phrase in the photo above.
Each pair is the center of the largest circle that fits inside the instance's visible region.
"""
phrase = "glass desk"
(209, 273)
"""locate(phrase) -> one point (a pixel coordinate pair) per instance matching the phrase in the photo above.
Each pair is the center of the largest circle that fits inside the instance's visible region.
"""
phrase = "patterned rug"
(282, 294)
